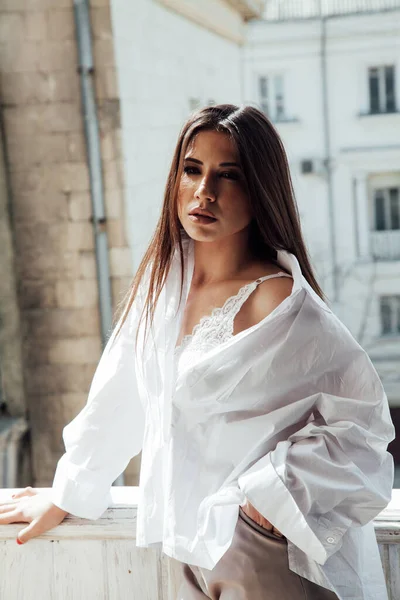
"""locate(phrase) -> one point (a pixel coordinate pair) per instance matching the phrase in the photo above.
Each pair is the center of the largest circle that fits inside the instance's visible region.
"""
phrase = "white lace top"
(216, 328)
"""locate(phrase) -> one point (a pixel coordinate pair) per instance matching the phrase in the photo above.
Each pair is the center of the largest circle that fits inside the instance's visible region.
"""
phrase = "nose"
(205, 192)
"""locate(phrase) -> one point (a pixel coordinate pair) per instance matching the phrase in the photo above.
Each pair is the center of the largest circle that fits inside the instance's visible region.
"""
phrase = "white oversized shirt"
(289, 413)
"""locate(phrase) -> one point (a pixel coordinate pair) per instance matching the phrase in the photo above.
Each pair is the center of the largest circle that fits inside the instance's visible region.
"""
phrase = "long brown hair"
(276, 223)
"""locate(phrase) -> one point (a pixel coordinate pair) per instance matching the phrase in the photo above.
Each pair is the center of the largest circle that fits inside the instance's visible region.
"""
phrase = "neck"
(221, 260)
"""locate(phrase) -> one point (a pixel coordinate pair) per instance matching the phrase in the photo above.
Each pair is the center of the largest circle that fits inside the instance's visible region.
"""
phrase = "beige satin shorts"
(254, 568)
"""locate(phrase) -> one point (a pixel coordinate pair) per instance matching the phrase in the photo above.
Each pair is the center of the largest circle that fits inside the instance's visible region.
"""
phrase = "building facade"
(330, 82)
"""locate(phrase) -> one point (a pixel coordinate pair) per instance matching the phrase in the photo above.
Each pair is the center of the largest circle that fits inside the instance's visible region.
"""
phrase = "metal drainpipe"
(86, 70)
(328, 158)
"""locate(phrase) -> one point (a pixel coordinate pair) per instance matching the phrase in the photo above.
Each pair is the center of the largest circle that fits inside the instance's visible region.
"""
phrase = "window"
(387, 208)
(390, 315)
(382, 89)
(271, 96)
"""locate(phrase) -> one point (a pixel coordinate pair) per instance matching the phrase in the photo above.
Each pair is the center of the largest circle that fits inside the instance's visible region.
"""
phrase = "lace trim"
(217, 327)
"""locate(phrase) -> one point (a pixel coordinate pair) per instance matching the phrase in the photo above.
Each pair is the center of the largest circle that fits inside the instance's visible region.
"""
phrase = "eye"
(230, 175)
(190, 170)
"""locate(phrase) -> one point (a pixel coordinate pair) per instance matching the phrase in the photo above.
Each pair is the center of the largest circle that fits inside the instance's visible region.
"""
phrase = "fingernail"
(19, 542)
(12, 495)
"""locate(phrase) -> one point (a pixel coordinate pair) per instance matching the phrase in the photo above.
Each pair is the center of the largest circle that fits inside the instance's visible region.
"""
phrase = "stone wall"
(51, 208)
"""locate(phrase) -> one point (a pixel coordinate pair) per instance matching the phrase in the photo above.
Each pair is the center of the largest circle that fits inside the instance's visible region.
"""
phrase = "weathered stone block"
(36, 351)
(80, 236)
(12, 27)
(62, 117)
(99, 3)
(34, 206)
(31, 5)
(72, 405)
(34, 88)
(29, 120)
(60, 177)
(111, 83)
(87, 293)
(109, 112)
(17, 57)
(74, 177)
(49, 148)
(61, 24)
(36, 294)
(35, 26)
(79, 206)
(45, 266)
(113, 175)
(87, 262)
(76, 147)
(62, 323)
(46, 421)
(57, 56)
(31, 237)
(83, 350)
(116, 233)
(111, 145)
(114, 202)
(77, 294)
(100, 17)
(22, 121)
(60, 378)
(103, 52)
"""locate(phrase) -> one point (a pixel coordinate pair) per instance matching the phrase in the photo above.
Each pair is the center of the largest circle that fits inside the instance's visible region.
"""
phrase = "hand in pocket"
(258, 518)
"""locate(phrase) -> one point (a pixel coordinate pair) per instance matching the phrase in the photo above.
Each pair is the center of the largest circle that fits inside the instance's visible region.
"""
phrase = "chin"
(199, 233)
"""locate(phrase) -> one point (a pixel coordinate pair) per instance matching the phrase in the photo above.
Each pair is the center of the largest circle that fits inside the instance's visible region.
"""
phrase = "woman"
(263, 424)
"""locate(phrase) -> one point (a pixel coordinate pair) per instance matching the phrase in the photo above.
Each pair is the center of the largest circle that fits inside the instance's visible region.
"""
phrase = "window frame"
(386, 105)
(392, 302)
(387, 208)
(272, 103)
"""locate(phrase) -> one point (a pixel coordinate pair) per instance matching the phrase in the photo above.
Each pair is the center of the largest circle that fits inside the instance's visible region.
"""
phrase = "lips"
(198, 212)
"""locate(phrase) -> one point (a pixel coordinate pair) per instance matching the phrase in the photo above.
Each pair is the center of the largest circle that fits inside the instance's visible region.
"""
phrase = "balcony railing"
(282, 10)
(88, 560)
(385, 245)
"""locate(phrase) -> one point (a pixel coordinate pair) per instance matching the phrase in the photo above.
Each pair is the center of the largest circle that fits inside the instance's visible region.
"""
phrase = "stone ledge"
(119, 520)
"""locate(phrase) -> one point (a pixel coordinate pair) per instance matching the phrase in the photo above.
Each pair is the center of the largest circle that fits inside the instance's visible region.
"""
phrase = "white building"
(330, 81)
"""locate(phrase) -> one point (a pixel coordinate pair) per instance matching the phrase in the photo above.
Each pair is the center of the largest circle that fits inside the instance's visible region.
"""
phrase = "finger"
(266, 524)
(11, 500)
(9, 517)
(277, 532)
(28, 491)
(6, 507)
(32, 530)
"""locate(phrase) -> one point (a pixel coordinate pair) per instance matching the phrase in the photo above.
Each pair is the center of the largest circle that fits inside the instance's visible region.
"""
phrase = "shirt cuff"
(83, 500)
(267, 492)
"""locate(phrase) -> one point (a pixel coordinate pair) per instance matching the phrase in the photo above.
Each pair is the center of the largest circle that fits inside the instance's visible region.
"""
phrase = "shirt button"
(330, 540)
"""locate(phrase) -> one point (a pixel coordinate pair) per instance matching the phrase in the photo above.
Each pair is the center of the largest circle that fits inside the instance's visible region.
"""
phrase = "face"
(212, 198)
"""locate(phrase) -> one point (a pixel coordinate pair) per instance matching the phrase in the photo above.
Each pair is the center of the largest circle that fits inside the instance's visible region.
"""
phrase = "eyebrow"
(224, 164)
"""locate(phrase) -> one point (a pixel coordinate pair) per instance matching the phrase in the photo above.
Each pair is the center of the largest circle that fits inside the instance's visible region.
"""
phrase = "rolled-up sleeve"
(332, 474)
(106, 434)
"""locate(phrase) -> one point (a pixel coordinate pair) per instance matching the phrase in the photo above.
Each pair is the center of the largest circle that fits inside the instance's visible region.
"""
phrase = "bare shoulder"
(263, 301)
(269, 294)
